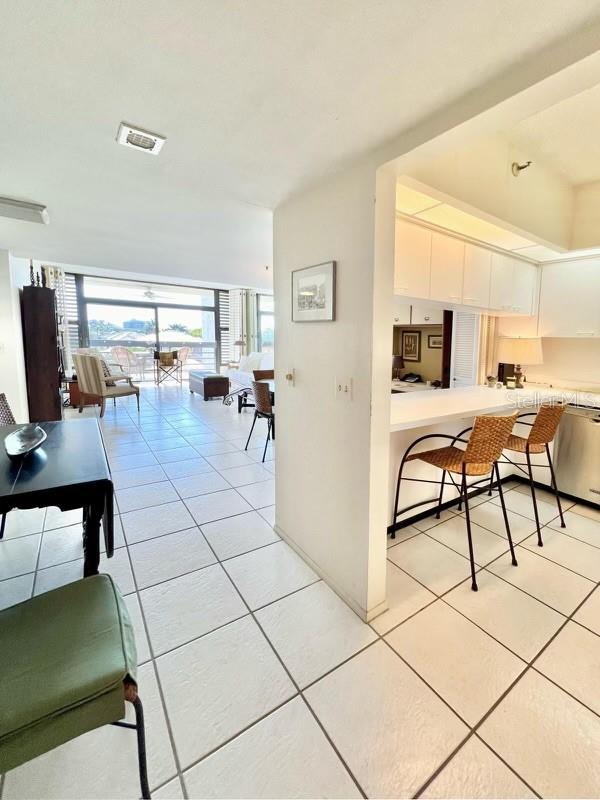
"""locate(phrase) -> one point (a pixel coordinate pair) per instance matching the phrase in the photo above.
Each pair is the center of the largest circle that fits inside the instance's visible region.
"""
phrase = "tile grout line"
(287, 671)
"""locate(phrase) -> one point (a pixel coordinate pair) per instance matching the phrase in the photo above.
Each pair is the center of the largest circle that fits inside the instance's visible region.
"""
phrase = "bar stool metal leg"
(491, 486)
(533, 497)
(468, 518)
(439, 508)
(505, 515)
(555, 488)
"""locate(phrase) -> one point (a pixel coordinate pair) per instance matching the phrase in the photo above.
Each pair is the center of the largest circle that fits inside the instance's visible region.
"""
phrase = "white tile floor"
(259, 682)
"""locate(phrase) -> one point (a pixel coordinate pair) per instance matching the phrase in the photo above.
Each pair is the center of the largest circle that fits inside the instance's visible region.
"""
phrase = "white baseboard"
(363, 613)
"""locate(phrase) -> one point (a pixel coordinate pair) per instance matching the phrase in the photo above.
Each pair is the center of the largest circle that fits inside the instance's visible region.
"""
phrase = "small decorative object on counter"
(24, 440)
(511, 383)
(491, 381)
(44, 277)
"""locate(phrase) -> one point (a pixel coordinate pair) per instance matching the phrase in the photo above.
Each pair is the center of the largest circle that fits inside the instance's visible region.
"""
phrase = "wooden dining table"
(69, 470)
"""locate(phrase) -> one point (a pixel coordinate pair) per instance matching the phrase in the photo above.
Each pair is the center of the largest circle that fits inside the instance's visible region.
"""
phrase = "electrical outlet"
(343, 388)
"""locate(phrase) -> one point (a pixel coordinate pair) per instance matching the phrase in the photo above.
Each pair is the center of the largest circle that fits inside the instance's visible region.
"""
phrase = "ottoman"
(208, 384)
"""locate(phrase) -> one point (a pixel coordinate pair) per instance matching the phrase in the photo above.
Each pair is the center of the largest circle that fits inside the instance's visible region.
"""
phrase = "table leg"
(92, 516)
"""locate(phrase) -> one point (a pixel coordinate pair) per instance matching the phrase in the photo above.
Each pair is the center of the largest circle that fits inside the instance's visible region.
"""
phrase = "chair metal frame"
(133, 697)
(268, 415)
(529, 476)
(462, 490)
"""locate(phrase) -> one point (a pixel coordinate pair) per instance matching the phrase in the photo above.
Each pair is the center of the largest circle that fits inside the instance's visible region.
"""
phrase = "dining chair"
(263, 408)
(127, 360)
(6, 418)
(93, 383)
(68, 663)
(487, 439)
(542, 433)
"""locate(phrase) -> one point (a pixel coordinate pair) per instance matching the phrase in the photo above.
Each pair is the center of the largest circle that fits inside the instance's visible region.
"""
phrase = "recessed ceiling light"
(140, 139)
(19, 209)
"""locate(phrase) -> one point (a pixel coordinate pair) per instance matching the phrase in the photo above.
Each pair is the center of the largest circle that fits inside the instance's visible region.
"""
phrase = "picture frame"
(411, 345)
(313, 293)
(435, 341)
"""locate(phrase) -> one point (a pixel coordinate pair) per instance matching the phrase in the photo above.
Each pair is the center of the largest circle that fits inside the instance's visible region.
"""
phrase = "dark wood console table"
(69, 470)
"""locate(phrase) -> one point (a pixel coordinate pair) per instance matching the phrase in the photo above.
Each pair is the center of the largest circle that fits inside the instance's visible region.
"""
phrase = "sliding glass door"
(127, 321)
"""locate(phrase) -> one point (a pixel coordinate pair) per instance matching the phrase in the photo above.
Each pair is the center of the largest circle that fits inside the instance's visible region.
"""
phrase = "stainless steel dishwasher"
(577, 453)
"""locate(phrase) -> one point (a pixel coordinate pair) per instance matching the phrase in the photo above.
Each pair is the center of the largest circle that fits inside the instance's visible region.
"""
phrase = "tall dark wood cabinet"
(42, 360)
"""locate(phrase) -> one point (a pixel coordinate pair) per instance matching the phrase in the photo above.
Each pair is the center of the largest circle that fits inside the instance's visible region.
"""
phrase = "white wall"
(586, 217)
(330, 505)
(12, 365)
(538, 202)
(569, 362)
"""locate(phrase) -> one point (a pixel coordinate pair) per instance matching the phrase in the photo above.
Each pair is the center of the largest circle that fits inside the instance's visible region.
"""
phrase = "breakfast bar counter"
(449, 411)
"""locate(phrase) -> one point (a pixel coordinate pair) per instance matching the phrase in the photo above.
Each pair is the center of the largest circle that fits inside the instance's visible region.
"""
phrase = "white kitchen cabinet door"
(501, 282)
(465, 349)
(569, 299)
(524, 287)
(400, 311)
(447, 262)
(412, 260)
(476, 277)
(422, 315)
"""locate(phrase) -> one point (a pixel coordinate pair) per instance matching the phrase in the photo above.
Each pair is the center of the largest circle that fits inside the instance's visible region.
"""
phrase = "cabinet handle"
(469, 298)
(454, 296)
(426, 318)
(402, 287)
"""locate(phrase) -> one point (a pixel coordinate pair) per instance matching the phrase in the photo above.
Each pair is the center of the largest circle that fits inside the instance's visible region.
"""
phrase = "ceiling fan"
(150, 294)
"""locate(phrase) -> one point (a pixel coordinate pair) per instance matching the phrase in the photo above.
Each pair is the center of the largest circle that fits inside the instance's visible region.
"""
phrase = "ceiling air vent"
(140, 139)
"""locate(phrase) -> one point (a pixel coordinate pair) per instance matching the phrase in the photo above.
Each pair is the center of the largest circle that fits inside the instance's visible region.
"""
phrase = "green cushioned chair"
(67, 665)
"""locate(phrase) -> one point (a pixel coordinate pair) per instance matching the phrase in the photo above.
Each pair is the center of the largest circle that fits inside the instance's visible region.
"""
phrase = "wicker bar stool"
(488, 438)
(543, 430)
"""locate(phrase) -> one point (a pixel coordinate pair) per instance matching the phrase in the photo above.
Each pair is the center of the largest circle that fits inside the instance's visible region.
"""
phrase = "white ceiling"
(565, 136)
(255, 98)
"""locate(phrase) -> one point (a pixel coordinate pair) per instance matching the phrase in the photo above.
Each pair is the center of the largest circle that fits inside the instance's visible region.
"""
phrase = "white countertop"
(422, 409)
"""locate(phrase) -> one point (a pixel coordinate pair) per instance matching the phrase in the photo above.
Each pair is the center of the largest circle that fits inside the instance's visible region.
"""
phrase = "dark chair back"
(264, 374)
(6, 415)
(262, 397)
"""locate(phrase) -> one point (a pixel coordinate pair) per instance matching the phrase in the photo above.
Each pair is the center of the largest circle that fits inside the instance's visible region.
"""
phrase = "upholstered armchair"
(95, 383)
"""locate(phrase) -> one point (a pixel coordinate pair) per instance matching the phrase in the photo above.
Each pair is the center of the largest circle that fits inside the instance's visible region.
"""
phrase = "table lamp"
(397, 365)
(520, 351)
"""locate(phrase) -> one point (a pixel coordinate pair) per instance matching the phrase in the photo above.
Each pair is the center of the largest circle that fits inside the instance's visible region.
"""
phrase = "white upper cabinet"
(513, 285)
(412, 265)
(447, 262)
(476, 277)
(501, 283)
(570, 299)
(525, 287)
(430, 265)
(421, 315)
(400, 311)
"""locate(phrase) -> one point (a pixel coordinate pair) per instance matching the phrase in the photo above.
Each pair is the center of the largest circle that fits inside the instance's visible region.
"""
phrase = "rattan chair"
(543, 431)
(6, 418)
(263, 407)
(484, 447)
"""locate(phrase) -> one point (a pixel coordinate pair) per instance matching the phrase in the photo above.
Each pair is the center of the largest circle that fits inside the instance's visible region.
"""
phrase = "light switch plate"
(343, 388)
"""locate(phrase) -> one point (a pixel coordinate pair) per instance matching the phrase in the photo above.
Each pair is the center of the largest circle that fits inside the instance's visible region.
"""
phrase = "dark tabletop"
(73, 453)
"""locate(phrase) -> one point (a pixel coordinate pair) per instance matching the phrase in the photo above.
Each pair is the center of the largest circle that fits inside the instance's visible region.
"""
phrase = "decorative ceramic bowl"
(24, 440)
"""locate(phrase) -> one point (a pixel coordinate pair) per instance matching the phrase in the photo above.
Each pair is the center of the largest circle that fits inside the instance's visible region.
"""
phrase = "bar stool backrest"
(546, 423)
(488, 439)
(262, 397)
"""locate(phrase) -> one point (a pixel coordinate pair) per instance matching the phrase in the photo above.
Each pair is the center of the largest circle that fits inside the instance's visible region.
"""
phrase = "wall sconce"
(516, 168)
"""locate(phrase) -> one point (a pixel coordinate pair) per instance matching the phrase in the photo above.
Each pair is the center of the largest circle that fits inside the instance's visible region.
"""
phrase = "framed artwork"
(411, 345)
(313, 293)
(434, 341)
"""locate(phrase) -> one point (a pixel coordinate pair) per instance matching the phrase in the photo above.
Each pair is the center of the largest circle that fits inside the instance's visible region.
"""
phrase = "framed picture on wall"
(434, 341)
(313, 293)
(411, 345)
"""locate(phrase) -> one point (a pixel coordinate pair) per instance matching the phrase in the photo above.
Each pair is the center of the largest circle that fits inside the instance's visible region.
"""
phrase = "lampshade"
(397, 362)
(520, 351)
